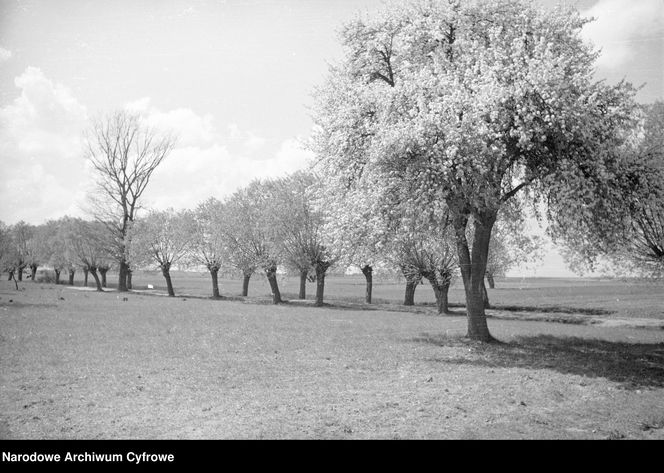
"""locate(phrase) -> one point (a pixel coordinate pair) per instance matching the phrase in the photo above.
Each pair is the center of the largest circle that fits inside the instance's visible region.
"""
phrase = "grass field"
(86, 365)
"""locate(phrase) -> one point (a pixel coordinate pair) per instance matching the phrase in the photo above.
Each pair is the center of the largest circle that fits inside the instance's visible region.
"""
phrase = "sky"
(233, 77)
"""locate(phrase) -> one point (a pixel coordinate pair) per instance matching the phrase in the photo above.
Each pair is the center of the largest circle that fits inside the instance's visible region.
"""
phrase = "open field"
(80, 364)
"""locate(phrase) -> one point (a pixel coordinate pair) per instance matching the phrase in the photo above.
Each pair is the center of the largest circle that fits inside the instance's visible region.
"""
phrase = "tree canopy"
(467, 106)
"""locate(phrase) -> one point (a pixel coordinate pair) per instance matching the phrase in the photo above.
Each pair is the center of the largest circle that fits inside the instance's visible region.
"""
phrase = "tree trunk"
(492, 282)
(214, 274)
(166, 271)
(102, 273)
(93, 271)
(20, 273)
(473, 267)
(122, 276)
(485, 296)
(130, 273)
(10, 275)
(303, 284)
(57, 276)
(409, 298)
(71, 277)
(85, 277)
(368, 275)
(441, 292)
(321, 269)
(245, 284)
(33, 272)
(271, 273)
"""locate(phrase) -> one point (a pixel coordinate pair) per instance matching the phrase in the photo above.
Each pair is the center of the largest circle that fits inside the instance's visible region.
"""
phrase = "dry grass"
(78, 364)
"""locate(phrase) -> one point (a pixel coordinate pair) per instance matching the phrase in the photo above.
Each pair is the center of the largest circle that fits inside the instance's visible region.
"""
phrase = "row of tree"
(271, 224)
(65, 245)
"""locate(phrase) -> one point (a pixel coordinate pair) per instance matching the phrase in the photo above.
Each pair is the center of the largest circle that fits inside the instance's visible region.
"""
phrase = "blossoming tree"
(469, 106)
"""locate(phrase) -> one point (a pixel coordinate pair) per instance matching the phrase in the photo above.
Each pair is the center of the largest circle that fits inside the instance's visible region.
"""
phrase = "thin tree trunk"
(473, 267)
(57, 276)
(15, 281)
(166, 271)
(245, 284)
(122, 276)
(271, 273)
(71, 277)
(492, 282)
(130, 273)
(102, 272)
(321, 269)
(33, 272)
(303, 284)
(368, 275)
(85, 277)
(409, 298)
(93, 271)
(214, 274)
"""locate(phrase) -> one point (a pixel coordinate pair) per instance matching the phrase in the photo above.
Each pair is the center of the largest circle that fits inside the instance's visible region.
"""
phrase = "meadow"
(578, 359)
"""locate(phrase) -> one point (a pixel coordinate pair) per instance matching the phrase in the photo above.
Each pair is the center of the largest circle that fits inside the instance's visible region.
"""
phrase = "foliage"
(466, 106)
(85, 241)
(626, 233)
(511, 246)
(161, 238)
(297, 222)
(6, 248)
(246, 231)
(209, 245)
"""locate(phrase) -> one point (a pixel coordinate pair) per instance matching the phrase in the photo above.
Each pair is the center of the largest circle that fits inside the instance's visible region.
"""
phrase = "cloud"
(45, 174)
(620, 25)
(192, 174)
(5, 55)
(190, 128)
(243, 140)
(40, 150)
(211, 160)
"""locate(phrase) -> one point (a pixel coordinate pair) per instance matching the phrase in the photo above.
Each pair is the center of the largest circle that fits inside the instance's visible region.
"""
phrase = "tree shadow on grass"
(632, 365)
(546, 309)
(359, 304)
(559, 309)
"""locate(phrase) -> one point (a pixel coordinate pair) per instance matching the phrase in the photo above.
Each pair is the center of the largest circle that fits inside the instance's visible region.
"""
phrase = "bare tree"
(124, 152)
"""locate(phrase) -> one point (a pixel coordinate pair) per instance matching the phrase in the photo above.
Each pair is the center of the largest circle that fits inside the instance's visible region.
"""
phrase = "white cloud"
(45, 174)
(211, 161)
(292, 156)
(40, 150)
(619, 25)
(192, 174)
(5, 54)
(190, 128)
(246, 141)
(141, 105)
